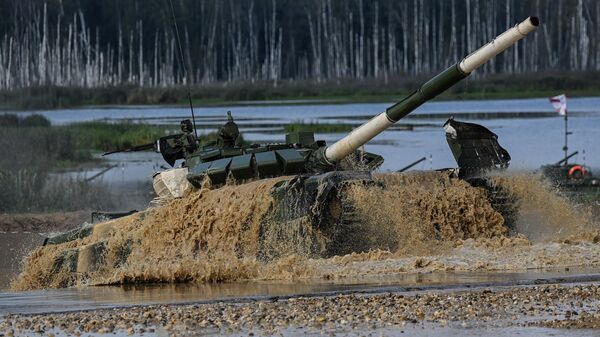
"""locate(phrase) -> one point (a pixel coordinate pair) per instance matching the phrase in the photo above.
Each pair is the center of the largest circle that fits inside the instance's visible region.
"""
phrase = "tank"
(314, 175)
(575, 180)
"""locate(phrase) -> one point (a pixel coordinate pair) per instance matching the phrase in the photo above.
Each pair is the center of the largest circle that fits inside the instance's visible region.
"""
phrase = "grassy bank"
(100, 136)
(342, 90)
(32, 151)
(65, 140)
(317, 127)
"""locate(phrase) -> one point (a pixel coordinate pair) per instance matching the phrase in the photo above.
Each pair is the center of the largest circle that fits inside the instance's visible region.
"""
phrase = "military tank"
(575, 180)
(316, 173)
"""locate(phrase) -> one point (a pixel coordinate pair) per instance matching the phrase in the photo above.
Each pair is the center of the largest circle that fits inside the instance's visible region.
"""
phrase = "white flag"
(560, 104)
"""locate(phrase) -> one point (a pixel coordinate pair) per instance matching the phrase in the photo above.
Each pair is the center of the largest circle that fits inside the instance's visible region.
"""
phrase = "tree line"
(88, 43)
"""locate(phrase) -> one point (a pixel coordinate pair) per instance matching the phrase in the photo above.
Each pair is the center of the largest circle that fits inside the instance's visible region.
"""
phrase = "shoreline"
(299, 92)
(283, 102)
(248, 291)
(547, 307)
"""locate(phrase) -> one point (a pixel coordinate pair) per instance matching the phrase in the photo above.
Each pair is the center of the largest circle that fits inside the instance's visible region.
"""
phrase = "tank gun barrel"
(411, 165)
(564, 160)
(430, 89)
(138, 148)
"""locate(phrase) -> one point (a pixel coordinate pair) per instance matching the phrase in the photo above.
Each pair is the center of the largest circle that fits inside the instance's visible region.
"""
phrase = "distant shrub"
(33, 158)
(39, 147)
(168, 97)
(35, 121)
(13, 121)
(61, 146)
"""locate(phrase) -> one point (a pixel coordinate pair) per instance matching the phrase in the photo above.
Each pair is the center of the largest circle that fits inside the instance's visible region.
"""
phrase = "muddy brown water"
(99, 297)
(14, 247)
(217, 236)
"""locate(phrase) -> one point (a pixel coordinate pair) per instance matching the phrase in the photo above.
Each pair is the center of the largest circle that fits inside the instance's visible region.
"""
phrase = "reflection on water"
(131, 171)
(86, 298)
(313, 112)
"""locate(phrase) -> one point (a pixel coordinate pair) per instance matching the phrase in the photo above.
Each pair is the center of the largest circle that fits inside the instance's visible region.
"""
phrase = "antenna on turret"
(183, 65)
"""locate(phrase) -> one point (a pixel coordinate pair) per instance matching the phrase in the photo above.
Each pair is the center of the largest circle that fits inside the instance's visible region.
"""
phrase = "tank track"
(352, 232)
(347, 232)
(324, 202)
(501, 200)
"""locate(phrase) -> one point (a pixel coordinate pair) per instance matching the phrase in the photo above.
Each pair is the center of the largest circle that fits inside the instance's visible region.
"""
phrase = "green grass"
(108, 136)
(32, 142)
(318, 128)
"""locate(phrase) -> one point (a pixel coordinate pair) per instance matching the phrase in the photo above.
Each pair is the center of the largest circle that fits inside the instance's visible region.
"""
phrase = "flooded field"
(528, 128)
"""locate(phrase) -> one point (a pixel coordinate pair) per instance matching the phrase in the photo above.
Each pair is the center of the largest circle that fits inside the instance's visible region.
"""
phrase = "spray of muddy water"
(544, 215)
(218, 235)
(424, 212)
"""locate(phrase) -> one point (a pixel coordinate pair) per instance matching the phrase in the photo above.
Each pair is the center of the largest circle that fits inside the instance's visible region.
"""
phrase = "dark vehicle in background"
(574, 180)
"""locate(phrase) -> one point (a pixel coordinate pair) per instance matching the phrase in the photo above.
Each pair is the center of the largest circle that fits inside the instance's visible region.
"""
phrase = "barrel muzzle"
(499, 44)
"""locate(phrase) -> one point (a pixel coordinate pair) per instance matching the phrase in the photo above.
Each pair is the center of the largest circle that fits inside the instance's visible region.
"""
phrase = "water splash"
(407, 222)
